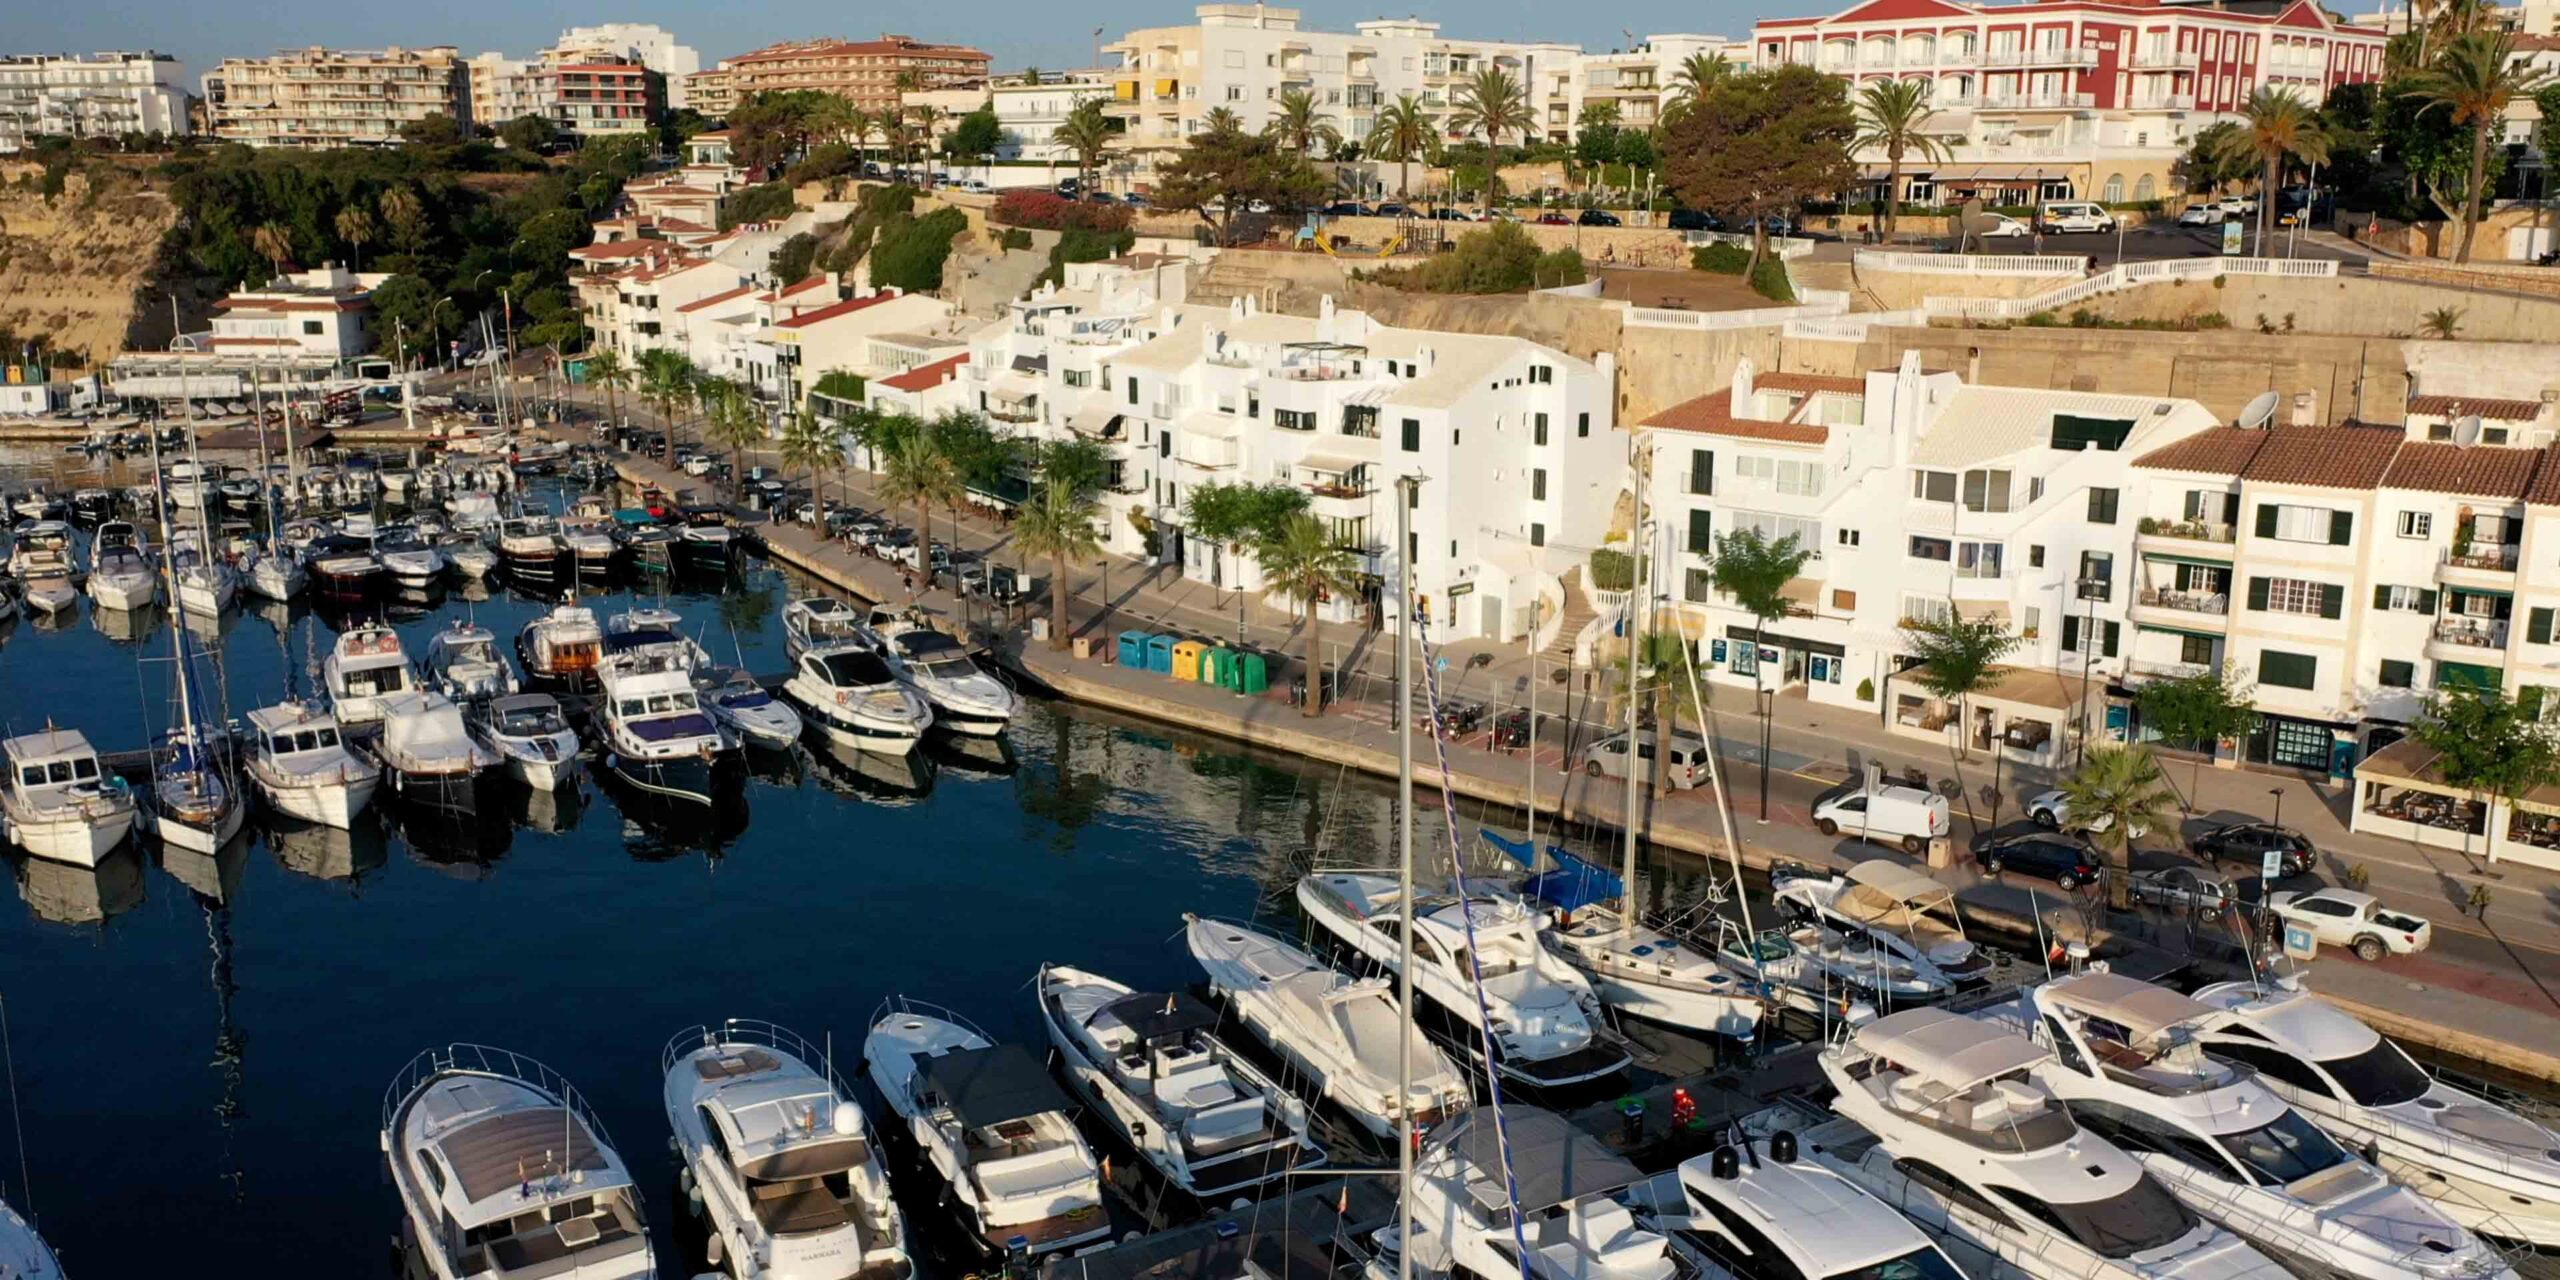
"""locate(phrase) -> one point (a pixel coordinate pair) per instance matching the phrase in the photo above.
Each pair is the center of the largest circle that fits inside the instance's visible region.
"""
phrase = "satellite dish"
(2466, 429)
(2261, 411)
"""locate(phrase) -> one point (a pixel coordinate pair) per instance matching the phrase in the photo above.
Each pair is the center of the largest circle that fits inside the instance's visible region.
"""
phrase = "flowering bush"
(1052, 212)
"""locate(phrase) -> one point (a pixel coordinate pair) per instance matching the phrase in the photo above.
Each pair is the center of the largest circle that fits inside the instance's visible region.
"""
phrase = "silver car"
(1607, 758)
(2184, 888)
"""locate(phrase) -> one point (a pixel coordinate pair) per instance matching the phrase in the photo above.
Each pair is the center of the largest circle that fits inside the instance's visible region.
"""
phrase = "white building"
(648, 44)
(99, 96)
(1026, 114)
(305, 333)
(1639, 82)
(503, 88)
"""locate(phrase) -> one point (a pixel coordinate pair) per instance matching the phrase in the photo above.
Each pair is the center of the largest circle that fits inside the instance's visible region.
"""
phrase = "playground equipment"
(1312, 235)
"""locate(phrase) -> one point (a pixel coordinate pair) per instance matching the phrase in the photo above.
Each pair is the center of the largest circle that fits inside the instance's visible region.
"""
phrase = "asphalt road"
(2150, 242)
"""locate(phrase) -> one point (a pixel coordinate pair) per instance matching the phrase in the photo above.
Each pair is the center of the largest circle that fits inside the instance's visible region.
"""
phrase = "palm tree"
(406, 217)
(1300, 126)
(1492, 103)
(808, 444)
(1222, 120)
(737, 422)
(1755, 571)
(666, 379)
(1062, 524)
(928, 118)
(1087, 132)
(2116, 795)
(274, 242)
(1402, 131)
(919, 471)
(2275, 125)
(1657, 677)
(2442, 322)
(1698, 73)
(1893, 117)
(606, 369)
(1304, 560)
(2474, 79)
(1958, 658)
(355, 226)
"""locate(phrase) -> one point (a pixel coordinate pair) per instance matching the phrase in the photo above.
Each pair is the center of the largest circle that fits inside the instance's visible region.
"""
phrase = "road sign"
(2232, 230)
(2300, 943)
(2271, 868)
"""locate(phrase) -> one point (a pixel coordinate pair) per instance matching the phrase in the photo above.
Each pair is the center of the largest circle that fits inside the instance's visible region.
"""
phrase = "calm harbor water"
(202, 1044)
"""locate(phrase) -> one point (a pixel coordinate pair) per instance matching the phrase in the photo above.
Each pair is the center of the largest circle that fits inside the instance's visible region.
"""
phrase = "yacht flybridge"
(2127, 1063)
(503, 1171)
(1344, 1033)
(1208, 1120)
(1938, 1116)
(1545, 1018)
(1531, 1196)
(1756, 1210)
(816, 622)
(2484, 1165)
(1896, 923)
(784, 1162)
(991, 1122)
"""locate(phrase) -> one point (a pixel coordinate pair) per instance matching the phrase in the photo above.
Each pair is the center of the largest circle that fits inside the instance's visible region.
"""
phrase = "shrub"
(1866, 691)
(1558, 269)
(1769, 280)
(764, 202)
(792, 261)
(1723, 259)
(1014, 238)
(843, 384)
(1052, 212)
(910, 251)
(1502, 258)
(1612, 570)
(1085, 246)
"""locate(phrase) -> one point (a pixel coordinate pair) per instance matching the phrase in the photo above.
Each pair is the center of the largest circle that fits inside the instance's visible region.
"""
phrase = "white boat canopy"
(2142, 1009)
(1903, 884)
(1948, 1048)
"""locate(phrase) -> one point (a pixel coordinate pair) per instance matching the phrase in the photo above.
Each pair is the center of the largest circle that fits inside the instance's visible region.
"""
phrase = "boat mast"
(1408, 489)
(177, 632)
(1634, 621)
(1724, 802)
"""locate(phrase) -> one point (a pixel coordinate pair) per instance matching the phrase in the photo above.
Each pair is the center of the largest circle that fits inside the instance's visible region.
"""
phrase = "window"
(1933, 486)
(1702, 472)
(1537, 484)
(2292, 595)
(1986, 491)
(1412, 433)
(2537, 626)
(1537, 534)
(1979, 559)
(1927, 609)
(1538, 429)
(2275, 1064)
(1932, 549)
(2097, 575)
(1777, 528)
(1791, 476)
(2035, 555)
(311, 328)
(1293, 420)
(2073, 433)
(1851, 538)
(1844, 601)
(2102, 506)
(2287, 670)
(2396, 674)
(1697, 586)
(2417, 524)
(2305, 524)
(1701, 533)
(2197, 650)
(1540, 374)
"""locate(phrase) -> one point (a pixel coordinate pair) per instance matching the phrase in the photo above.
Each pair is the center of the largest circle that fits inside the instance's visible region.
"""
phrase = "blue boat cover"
(1566, 882)
(634, 516)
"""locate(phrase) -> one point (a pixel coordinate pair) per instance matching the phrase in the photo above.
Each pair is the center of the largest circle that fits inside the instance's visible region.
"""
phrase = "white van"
(2064, 216)
(1608, 759)
(1886, 815)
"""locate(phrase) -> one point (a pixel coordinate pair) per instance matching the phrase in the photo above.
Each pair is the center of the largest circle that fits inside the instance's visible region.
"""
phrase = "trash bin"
(1133, 650)
(1186, 659)
(1160, 655)
(1222, 668)
(1253, 674)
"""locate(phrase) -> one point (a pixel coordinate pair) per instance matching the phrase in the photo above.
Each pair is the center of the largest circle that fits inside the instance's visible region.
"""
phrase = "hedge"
(1049, 211)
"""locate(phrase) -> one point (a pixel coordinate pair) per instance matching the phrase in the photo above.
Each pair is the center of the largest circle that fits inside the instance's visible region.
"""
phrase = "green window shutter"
(2258, 592)
(2114, 631)
(2287, 670)
(2537, 626)
(2266, 515)
(2333, 601)
(2427, 601)
(2342, 528)
(2382, 597)
(2529, 700)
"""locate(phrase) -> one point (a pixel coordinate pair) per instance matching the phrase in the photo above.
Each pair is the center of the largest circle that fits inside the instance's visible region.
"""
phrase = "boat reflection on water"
(873, 776)
(550, 811)
(275, 613)
(660, 828)
(475, 590)
(974, 754)
(776, 768)
(408, 604)
(213, 877)
(210, 628)
(65, 894)
(466, 844)
(127, 626)
(334, 854)
(62, 621)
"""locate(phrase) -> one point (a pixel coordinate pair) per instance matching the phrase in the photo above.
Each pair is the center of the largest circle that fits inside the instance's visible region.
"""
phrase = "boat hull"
(530, 567)
(695, 779)
(1731, 1016)
(126, 594)
(454, 793)
(977, 724)
(863, 734)
(331, 802)
(81, 842)
(197, 835)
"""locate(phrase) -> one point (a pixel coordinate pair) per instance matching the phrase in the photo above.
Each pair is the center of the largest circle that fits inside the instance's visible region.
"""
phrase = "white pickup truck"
(2356, 921)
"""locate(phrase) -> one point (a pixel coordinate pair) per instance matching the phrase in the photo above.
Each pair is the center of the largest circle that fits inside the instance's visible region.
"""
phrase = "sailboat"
(193, 802)
(274, 573)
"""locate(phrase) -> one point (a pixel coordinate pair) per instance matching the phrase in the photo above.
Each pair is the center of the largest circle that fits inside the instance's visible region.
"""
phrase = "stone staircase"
(1578, 613)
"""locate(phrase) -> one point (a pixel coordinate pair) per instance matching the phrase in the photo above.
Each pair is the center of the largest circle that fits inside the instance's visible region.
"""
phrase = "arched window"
(2143, 189)
(2115, 189)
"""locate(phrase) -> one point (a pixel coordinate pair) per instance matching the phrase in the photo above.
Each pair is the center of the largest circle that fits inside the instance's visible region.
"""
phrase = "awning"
(2004, 172)
(1803, 591)
(2137, 1006)
(1737, 631)
(2174, 631)
(2408, 763)
(1153, 1017)
(1335, 463)
(1984, 610)
(2055, 690)
(1948, 1049)
(1101, 424)
(2197, 561)
(1015, 386)
(1903, 884)
(990, 1086)
(1551, 1161)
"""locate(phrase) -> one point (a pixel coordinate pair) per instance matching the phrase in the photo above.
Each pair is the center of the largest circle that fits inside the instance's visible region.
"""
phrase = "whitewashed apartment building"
(101, 95)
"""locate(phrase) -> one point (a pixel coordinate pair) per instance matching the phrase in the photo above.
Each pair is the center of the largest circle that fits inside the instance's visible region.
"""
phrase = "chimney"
(1742, 372)
(2306, 409)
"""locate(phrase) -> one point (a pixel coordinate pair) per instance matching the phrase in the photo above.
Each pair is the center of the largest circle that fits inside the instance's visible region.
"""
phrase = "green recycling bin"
(1253, 674)
(1222, 669)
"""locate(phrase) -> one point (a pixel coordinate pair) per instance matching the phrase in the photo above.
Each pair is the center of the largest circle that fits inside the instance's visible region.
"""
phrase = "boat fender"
(847, 1120)
(1725, 1165)
(1782, 1146)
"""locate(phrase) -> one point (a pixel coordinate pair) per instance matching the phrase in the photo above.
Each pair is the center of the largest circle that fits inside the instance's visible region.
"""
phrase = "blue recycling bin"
(1133, 649)
(1160, 655)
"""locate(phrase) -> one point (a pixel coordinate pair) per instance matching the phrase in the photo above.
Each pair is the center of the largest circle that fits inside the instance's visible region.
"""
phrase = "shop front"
(2401, 793)
(1781, 660)
(2532, 830)
(2030, 715)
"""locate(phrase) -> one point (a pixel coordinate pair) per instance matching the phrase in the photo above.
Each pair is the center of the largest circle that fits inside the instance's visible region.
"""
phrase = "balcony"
(2165, 102)
(2140, 669)
(2467, 640)
(2202, 611)
(2484, 565)
(2041, 57)
(1339, 501)
(2039, 101)
(1953, 56)
(2203, 538)
(2164, 60)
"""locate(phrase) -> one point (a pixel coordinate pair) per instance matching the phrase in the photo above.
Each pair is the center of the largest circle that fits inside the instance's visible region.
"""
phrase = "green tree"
(2487, 744)
(1699, 74)
(1298, 124)
(1893, 117)
(2472, 82)
(1595, 139)
(1087, 132)
(529, 133)
(2443, 323)
(666, 381)
(2200, 710)
(608, 370)
(1222, 120)
(1221, 171)
(1062, 523)
(1762, 142)
(1305, 562)
(917, 471)
(736, 423)
(792, 261)
(405, 314)
(1402, 131)
(274, 242)
(1493, 104)
(976, 136)
(1755, 571)
(2276, 126)
(1241, 518)
(433, 130)
(406, 216)
(810, 446)
(928, 122)
(2546, 139)
(2218, 156)
(2116, 795)
(354, 226)
(1959, 657)
(1656, 675)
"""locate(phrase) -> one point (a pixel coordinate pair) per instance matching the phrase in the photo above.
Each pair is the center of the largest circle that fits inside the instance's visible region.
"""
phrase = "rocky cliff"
(77, 269)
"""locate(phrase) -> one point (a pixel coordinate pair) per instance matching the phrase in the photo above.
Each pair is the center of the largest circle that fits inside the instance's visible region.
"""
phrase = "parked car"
(1599, 218)
(978, 185)
(2068, 861)
(897, 546)
(699, 464)
(2239, 204)
(1607, 758)
(2248, 842)
(2052, 811)
(1392, 209)
(1692, 220)
(2200, 215)
(2064, 217)
(1887, 815)
(1778, 226)
(2357, 921)
(1134, 200)
(2004, 227)
(1446, 214)
(2184, 888)
(1346, 209)
(1068, 187)
(1555, 218)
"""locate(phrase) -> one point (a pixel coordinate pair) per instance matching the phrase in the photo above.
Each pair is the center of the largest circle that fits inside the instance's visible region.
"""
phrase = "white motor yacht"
(298, 762)
(818, 622)
(1900, 919)
(652, 635)
(2486, 1166)
(1529, 1196)
(1755, 1210)
(503, 1171)
(1940, 1118)
(781, 1157)
(591, 546)
(1817, 970)
(1640, 970)
(120, 572)
(531, 733)
(44, 570)
(848, 690)
(365, 666)
(745, 709)
(530, 548)
(966, 697)
(990, 1121)
(1545, 1017)
(427, 754)
(658, 738)
(2127, 1063)
(562, 646)
(60, 805)
(1344, 1033)
(344, 567)
(411, 560)
(1154, 1068)
(465, 664)
(24, 1254)
(706, 543)
(468, 554)
(38, 536)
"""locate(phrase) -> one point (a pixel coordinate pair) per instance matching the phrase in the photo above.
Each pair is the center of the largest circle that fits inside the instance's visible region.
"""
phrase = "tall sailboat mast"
(1635, 620)
(178, 633)
(1407, 489)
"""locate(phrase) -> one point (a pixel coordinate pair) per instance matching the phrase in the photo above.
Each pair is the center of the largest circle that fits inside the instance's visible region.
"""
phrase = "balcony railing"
(2155, 669)
(2191, 530)
(2472, 634)
(1351, 491)
(2163, 59)
(2496, 557)
(2058, 100)
(2216, 603)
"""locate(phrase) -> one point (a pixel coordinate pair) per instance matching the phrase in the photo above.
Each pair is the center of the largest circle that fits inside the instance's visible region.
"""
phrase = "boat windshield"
(1923, 1263)
(950, 668)
(1768, 948)
(2380, 1076)
(2287, 1150)
(2138, 1219)
(744, 698)
(853, 668)
(285, 744)
(527, 722)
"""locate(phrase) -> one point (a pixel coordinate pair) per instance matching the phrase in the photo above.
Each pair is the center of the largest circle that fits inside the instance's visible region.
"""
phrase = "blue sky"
(1018, 32)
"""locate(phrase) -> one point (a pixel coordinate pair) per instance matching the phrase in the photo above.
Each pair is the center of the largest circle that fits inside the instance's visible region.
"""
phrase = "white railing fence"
(1973, 264)
(2125, 276)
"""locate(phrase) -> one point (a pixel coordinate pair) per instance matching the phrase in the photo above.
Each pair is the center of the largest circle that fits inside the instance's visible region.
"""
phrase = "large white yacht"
(2484, 1165)
(1940, 1119)
(1208, 1120)
(990, 1121)
(120, 572)
(1895, 922)
(658, 738)
(296, 760)
(530, 733)
(1531, 1196)
(503, 1171)
(365, 666)
(745, 709)
(24, 1254)
(849, 692)
(1754, 1210)
(1640, 970)
(1545, 1017)
(2127, 1063)
(784, 1162)
(815, 622)
(966, 697)
(465, 664)
(1342, 1032)
(61, 806)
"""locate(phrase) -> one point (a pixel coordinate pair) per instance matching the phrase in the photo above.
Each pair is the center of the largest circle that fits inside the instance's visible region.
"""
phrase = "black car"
(2248, 842)
(2065, 860)
(1068, 187)
(1599, 218)
(1346, 209)
(1692, 220)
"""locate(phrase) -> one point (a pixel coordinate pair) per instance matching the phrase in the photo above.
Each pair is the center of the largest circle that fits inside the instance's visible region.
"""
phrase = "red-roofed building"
(865, 71)
(602, 98)
(925, 391)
